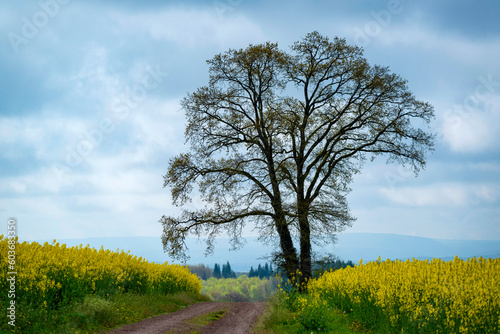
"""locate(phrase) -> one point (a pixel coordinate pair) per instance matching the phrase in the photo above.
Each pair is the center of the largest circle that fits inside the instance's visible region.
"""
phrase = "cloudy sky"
(90, 114)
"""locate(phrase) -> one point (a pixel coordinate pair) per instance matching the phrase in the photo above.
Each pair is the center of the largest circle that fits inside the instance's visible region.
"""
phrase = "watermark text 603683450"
(12, 234)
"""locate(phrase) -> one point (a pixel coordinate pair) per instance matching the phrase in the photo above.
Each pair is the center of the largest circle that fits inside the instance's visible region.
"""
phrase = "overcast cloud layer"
(90, 114)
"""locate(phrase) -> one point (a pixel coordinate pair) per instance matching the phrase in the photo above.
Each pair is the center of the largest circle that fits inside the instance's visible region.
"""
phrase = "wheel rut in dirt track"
(239, 319)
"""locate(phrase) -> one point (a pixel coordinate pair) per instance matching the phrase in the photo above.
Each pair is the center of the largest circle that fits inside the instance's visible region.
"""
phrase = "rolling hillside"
(350, 246)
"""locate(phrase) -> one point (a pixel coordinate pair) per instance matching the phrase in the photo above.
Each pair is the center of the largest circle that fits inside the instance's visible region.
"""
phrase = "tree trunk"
(305, 246)
(286, 243)
(304, 227)
(289, 253)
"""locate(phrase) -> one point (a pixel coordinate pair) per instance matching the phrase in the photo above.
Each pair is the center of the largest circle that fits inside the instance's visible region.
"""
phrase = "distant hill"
(368, 246)
(349, 246)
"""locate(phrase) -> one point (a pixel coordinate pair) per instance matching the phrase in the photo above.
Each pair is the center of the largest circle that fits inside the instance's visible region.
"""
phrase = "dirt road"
(236, 318)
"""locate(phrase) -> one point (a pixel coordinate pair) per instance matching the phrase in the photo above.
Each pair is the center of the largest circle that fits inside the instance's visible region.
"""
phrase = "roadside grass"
(281, 317)
(98, 314)
(197, 323)
(205, 319)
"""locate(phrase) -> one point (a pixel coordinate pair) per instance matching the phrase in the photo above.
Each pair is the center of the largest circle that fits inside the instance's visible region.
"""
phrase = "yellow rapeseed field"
(459, 296)
(51, 275)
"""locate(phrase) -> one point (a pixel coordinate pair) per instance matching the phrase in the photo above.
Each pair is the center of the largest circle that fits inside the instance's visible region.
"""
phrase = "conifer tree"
(260, 271)
(266, 271)
(217, 273)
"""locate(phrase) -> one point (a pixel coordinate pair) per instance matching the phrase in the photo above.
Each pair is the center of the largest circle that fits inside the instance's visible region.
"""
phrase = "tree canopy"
(276, 137)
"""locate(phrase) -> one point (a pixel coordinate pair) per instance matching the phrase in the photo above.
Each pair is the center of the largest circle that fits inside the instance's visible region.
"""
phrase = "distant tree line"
(329, 263)
(202, 271)
(218, 271)
(261, 272)
(225, 272)
(319, 266)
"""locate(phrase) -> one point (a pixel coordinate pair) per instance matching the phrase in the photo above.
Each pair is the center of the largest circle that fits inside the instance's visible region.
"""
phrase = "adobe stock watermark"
(31, 26)
(397, 175)
(223, 6)
(381, 19)
(485, 89)
(12, 234)
(121, 110)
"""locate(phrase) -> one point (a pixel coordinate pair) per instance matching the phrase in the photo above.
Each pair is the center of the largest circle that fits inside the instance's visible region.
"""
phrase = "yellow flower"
(457, 296)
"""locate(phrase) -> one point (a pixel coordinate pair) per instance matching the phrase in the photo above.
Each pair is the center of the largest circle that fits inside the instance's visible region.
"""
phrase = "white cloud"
(127, 202)
(93, 57)
(160, 124)
(193, 28)
(93, 79)
(465, 74)
(444, 195)
(36, 134)
(458, 48)
(124, 203)
(487, 193)
(473, 129)
(18, 187)
(485, 167)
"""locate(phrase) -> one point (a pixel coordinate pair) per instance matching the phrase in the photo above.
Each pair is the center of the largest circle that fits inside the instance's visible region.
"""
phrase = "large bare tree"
(276, 137)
